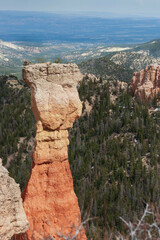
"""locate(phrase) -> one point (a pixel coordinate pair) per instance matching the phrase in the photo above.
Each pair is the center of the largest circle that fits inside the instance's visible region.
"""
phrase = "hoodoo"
(145, 84)
(49, 200)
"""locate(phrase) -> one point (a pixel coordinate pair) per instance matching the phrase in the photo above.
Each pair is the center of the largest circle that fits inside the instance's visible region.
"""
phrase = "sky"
(147, 8)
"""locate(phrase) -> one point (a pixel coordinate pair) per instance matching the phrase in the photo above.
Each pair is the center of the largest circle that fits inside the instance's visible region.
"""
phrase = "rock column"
(50, 203)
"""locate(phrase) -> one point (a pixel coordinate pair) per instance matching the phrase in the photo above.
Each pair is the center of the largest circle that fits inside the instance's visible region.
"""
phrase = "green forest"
(16, 121)
(114, 152)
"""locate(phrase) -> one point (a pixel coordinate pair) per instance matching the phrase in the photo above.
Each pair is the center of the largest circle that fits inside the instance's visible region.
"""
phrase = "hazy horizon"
(116, 8)
(86, 13)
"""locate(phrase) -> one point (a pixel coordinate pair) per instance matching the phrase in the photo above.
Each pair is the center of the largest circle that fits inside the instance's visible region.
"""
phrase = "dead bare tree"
(73, 235)
(142, 229)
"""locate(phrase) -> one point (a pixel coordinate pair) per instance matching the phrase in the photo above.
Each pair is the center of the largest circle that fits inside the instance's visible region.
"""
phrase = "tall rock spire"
(49, 200)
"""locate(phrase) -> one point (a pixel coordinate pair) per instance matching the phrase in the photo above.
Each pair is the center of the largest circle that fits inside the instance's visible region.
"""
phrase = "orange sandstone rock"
(50, 203)
(145, 84)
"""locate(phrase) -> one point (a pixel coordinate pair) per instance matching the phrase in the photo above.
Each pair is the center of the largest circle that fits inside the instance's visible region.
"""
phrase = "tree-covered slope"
(115, 155)
(114, 152)
(138, 57)
(106, 68)
(16, 128)
(153, 47)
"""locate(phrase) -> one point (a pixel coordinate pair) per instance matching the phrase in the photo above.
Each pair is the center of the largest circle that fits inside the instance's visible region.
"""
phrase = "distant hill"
(134, 60)
(139, 56)
(152, 47)
(106, 68)
(121, 64)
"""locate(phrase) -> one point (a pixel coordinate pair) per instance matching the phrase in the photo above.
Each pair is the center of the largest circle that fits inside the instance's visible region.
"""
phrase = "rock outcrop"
(145, 84)
(50, 203)
(12, 216)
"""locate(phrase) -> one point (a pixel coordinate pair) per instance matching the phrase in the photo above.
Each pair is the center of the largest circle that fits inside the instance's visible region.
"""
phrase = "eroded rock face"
(12, 216)
(145, 84)
(50, 203)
